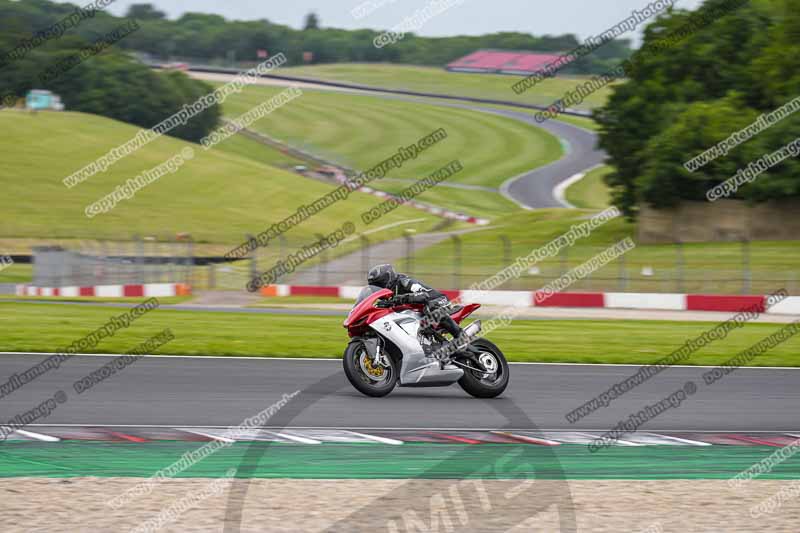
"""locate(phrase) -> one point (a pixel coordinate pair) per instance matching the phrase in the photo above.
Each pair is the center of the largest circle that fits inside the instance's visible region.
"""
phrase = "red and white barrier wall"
(146, 290)
(611, 300)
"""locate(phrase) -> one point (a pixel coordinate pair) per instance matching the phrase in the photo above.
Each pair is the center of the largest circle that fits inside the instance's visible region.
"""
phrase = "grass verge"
(47, 328)
(590, 192)
(17, 273)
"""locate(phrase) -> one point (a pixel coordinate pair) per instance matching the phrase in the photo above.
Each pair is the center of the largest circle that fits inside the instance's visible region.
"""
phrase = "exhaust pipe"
(473, 329)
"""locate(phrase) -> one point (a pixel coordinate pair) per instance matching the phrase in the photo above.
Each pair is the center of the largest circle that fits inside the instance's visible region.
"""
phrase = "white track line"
(599, 437)
(525, 438)
(387, 226)
(209, 435)
(685, 441)
(621, 442)
(302, 440)
(560, 190)
(311, 359)
(37, 436)
(379, 428)
(376, 438)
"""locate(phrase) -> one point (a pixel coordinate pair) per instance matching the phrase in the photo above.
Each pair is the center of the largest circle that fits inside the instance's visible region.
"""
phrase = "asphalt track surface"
(535, 188)
(211, 391)
(532, 189)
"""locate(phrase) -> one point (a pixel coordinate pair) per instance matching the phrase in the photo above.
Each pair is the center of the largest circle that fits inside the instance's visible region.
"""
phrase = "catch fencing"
(137, 261)
(725, 268)
(450, 262)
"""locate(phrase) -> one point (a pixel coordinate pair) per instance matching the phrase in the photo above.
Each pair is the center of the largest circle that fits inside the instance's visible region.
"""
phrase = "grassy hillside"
(438, 80)
(360, 131)
(217, 197)
(258, 152)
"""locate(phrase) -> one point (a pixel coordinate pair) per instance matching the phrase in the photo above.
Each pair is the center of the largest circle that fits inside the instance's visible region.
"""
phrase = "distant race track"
(533, 189)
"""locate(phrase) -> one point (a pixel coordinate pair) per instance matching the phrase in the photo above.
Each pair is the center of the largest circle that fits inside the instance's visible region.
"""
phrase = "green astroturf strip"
(379, 461)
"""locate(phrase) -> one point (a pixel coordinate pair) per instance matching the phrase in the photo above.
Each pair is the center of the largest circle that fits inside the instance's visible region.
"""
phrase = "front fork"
(374, 347)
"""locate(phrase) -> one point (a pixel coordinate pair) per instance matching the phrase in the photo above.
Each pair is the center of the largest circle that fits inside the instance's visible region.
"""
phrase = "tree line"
(213, 38)
(710, 82)
(109, 81)
(93, 79)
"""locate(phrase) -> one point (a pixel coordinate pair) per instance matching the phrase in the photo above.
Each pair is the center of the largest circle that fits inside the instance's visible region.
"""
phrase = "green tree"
(145, 12)
(212, 38)
(694, 81)
(311, 22)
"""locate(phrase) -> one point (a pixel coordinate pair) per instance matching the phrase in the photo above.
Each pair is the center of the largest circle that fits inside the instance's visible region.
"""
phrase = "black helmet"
(382, 276)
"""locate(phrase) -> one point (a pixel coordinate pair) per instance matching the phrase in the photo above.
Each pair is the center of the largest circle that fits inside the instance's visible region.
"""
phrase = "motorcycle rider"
(408, 290)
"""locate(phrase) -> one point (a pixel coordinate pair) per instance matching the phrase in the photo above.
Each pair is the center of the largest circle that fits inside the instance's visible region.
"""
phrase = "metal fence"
(447, 262)
(455, 263)
(113, 263)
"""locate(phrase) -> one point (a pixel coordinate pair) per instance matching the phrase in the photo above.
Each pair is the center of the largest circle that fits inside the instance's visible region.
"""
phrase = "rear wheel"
(370, 378)
(492, 378)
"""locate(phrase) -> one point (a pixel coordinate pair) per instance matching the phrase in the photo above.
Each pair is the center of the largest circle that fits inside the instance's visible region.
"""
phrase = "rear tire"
(365, 383)
(486, 385)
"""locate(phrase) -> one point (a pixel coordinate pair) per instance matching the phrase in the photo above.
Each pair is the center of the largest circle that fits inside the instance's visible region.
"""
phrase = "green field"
(47, 328)
(360, 131)
(258, 152)
(590, 192)
(581, 122)
(16, 273)
(218, 196)
(438, 80)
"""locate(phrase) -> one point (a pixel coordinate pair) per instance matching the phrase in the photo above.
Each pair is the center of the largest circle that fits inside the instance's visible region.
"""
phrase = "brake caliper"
(372, 370)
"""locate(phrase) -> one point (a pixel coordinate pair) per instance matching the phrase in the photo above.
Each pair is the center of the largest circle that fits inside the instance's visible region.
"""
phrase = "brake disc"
(374, 373)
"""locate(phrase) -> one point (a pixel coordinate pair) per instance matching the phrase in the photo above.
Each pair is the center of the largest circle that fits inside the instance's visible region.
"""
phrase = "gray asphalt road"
(224, 391)
(535, 188)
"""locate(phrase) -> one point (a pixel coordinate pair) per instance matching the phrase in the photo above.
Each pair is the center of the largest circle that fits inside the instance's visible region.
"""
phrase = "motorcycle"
(398, 344)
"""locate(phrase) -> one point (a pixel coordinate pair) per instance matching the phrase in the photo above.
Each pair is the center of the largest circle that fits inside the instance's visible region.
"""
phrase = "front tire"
(486, 384)
(366, 378)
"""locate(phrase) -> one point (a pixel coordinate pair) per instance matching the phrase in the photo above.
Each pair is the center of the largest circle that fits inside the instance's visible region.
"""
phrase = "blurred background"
(693, 73)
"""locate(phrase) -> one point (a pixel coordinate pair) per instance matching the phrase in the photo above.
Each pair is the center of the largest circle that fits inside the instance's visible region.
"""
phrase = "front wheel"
(370, 378)
(492, 379)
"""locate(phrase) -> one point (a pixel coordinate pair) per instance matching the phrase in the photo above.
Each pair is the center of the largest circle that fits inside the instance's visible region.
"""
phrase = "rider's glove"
(388, 302)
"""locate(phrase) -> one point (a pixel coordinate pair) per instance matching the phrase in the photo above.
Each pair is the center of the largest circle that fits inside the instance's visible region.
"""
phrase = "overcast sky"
(468, 17)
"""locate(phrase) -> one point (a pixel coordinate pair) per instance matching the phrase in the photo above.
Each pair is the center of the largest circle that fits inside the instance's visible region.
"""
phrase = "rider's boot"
(459, 343)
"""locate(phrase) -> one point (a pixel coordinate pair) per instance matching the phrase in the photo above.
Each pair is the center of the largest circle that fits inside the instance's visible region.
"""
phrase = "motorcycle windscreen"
(365, 293)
